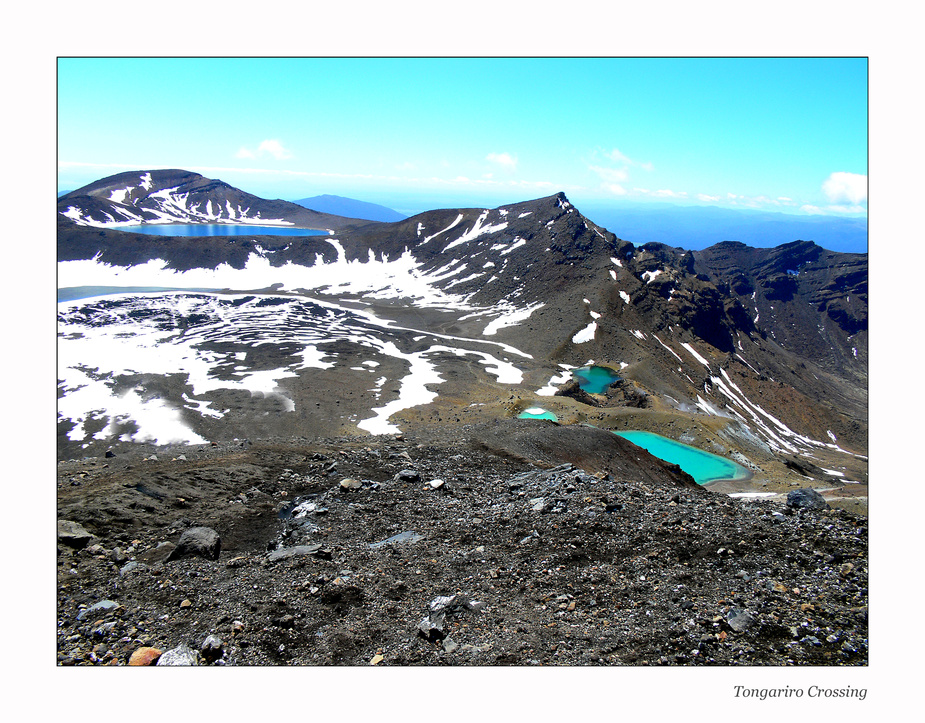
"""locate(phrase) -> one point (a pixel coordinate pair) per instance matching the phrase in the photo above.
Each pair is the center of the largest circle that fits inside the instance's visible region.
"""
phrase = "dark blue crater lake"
(219, 229)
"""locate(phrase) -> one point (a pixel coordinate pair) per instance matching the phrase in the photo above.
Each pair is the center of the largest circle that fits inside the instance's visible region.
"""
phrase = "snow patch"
(694, 354)
(586, 334)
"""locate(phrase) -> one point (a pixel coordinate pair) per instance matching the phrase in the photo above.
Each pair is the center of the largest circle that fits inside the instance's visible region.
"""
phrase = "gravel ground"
(524, 544)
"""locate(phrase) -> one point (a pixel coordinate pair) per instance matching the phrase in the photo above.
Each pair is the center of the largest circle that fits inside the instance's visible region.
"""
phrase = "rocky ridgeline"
(388, 552)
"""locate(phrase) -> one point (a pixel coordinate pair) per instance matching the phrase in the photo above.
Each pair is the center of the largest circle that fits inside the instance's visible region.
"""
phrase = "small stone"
(739, 620)
(186, 603)
(377, 658)
(436, 483)
(131, 567)
(846, 569)
(211, 648)
(145, 656)
(350, 484)
(102, 605)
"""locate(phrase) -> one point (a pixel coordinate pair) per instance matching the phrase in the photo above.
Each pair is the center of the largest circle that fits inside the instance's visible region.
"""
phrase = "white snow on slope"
(694, 354)
(668, 348)
(586, 334)
(433, 236)
(171, 206)
(477, 230)
(511, 318)
(105, 342)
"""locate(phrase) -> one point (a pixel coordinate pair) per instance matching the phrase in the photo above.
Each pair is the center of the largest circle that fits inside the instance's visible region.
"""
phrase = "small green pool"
(595, 379)
(704, 467)
(537, 413)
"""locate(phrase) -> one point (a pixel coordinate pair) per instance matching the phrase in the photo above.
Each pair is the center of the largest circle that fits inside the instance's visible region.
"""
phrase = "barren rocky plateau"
(518, 542)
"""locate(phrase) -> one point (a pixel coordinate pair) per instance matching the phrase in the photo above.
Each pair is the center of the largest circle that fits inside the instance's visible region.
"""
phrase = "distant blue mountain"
(351, 208)
(698, 227)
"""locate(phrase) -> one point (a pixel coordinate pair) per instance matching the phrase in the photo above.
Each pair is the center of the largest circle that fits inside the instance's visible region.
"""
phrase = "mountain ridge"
(317, 439)
(728, 334)
(178, 196)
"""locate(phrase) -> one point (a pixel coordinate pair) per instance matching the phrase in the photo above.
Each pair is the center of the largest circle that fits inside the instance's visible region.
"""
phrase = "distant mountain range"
(351, 208)
(688, 227)
(697, 227)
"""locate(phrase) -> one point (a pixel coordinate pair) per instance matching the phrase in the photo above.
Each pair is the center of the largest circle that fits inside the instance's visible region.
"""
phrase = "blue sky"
(777, 134)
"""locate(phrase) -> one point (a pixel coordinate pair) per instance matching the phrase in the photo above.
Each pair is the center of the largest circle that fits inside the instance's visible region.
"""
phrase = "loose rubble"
(512, 560)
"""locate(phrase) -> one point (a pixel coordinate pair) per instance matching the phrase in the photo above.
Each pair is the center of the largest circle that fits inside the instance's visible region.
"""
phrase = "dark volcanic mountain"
(175, 196)
(760, 354)
(306, 449)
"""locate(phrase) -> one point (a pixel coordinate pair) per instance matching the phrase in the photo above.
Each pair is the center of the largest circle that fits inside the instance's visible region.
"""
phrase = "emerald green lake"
(595, 379)
(537, 413)
(704, 467)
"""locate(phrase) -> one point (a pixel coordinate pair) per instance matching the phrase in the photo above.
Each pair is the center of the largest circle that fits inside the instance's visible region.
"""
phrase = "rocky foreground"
(519, 543)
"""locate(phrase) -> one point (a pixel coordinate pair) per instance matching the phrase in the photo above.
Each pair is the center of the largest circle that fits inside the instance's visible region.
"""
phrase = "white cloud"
(615, 188)
(615, 155)
(833, 209)
(503, 159)
(705, 197)
(842, 187)
(610, 175)
(815, 210)
(269, 147)
(274, 148)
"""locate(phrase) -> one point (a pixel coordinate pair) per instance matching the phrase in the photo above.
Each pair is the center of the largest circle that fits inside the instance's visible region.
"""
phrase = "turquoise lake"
(537, 413)
(704, 467)
(219, 229)
(595, 379)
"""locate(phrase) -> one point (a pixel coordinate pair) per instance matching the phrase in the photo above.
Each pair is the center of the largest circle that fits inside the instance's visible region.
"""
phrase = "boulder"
(408, 475)
(73, 534)
(202, 541)
(145, 656)
(806, 499)
(181, 655)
